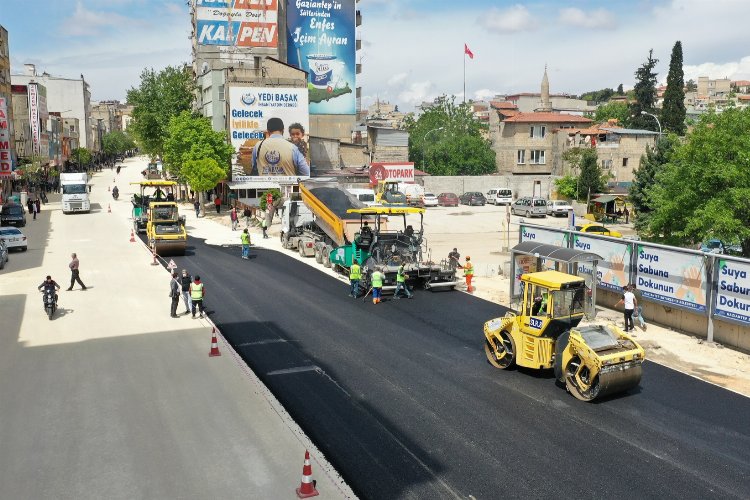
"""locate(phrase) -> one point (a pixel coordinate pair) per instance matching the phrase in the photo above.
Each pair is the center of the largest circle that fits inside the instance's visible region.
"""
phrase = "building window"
(521, 157)
(607, 164)
(221, 92)
(537, 157)
(537, 131)
(624, 162)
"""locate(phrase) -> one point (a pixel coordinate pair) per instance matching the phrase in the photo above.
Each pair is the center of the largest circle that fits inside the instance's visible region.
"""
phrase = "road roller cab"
(592, 360)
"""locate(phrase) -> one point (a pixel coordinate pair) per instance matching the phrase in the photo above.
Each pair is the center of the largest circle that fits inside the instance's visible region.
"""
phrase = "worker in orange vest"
(468, 273)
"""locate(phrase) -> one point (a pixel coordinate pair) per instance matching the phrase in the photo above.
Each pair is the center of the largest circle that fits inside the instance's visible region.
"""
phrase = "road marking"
(263, 342)
(298, 369)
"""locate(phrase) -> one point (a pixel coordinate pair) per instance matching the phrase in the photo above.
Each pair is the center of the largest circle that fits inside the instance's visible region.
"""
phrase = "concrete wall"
(521, 185)
(333, 126)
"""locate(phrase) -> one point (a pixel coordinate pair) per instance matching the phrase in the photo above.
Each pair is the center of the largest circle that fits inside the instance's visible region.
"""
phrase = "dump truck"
(150, 191)
(592, 361)
(337, 229)
(165, 229)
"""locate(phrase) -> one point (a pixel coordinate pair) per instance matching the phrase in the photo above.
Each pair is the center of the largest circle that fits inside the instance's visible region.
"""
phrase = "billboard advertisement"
(321, 40)
(238, 23)
(250, 108)
(400, 172)
(673, 277)
(733, 291)
(613, 271)
(6, 155)
(544, 236)
(36, 134)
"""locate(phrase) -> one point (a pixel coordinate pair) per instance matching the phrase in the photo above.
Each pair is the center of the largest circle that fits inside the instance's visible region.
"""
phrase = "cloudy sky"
(412, 49)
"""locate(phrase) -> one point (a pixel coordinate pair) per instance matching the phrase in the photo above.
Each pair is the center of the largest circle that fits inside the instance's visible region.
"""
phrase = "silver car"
(529, 207)
(13, 238)
(559, 208)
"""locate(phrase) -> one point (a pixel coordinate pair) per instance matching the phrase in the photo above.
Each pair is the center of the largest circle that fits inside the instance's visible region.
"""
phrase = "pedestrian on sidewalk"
(197, 207)
(401, 278)
(37, 207)
(197, 292)
(247, 213)
(264, 226)
(234, 217)
(629, 302)
(75, 275)
(377, 278)
(468, 268)
(245, 238)
(627, 215)
(174, 293)
(638, 312)
(355, 275)
(185, 281)
(217, 204)
(30, 205)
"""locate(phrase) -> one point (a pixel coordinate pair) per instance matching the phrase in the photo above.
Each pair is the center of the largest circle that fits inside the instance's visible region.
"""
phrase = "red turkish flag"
(468, 52)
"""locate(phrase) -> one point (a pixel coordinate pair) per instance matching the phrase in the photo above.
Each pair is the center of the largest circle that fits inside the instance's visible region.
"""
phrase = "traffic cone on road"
(214, 344)
(307, 488)
(132, 236)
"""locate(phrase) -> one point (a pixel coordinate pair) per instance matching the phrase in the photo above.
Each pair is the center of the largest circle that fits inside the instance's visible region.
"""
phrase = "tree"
(82, 156)
(202, 175)
(645, 95)
(591, 179)
(613, 110)
(159, 97)
(691, 86)
(673, 110)
(602, 95)
(704, 189)
(567, 186)
(191, 137)
(447, 140)
(644, 177)
(117, 142)
(620, 91)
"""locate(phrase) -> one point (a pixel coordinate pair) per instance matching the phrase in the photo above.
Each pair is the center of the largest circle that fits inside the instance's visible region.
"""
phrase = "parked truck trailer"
(75, 193)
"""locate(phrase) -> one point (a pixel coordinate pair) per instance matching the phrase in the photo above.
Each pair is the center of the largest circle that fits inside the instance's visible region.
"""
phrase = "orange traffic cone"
(109, 208)
(307, 488)
(132, 236)
(153, 253)
(214, 344)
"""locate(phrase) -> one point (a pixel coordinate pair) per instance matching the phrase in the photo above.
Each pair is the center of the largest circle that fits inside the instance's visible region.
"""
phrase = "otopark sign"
(733, 291)
(399, 172)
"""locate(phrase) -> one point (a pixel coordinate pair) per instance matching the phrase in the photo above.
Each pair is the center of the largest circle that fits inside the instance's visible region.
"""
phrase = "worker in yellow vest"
(197, 292)
(468, 273)
(355, 274)
(377, 285)
(401, 277)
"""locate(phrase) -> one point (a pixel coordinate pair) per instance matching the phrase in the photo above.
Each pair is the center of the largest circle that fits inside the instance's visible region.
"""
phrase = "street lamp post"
(655, 118)
(424, 145)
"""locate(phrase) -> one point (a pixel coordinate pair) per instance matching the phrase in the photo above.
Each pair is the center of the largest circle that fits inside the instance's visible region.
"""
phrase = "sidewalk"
(115, 399)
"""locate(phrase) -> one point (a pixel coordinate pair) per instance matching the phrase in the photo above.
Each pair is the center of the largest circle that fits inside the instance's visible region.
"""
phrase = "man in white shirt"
(629, 301)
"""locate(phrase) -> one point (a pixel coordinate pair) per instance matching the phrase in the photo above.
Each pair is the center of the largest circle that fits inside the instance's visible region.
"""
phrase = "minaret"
(546, 104)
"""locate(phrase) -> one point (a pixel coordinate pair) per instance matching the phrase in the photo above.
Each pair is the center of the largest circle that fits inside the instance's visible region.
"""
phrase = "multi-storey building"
(7, 140)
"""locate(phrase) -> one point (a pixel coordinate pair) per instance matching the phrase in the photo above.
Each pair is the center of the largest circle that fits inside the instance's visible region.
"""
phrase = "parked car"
(13, 214)
(3, 254)
(529, 207)
(13, 238)
(500, 196)
(473, 198)
(715, 245)
(559, 208)
(448, 200)
(430, 200)
(598, 229)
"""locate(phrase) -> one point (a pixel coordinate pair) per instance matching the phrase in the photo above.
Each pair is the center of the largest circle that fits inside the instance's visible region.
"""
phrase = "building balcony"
(532, 169)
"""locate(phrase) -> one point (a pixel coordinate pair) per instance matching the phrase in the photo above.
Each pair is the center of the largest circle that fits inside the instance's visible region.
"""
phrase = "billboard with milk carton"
(321, 40)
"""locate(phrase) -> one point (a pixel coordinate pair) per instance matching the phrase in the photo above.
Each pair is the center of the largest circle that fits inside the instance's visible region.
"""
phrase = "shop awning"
(606, 198)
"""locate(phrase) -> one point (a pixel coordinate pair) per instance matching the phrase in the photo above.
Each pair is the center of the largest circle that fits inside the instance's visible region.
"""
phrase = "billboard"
(237, 23)
(672, 277)
(613, 271)
(733, 291)
(400, 172)
(6, 155)
(321, 40)
(250, 108)
(36, 134)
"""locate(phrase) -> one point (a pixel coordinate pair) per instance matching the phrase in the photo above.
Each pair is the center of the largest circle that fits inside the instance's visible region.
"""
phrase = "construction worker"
(245, 238)
(197, 292)
(355, 274)
(468, 273)
(377, 285)
(401, 278)
(264, 226)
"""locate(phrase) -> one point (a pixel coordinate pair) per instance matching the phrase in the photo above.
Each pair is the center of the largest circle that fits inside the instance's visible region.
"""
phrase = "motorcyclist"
(115, 192)
(51, 285)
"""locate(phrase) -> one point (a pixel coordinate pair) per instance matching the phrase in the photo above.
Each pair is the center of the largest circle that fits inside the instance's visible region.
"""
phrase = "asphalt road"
(401, 400)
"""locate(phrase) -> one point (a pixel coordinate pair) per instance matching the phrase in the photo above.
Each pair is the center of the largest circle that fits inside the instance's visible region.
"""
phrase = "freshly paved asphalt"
(400, 398)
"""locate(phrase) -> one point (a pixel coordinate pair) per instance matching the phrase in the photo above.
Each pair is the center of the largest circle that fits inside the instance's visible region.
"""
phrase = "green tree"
(567, 186)
(704, 190)
(645, 95)
(691, 86)
(616, 110)
(158, 98)
(644, 178)
(620, 90)
(191, 137)
(591, 180)
(602, 95)
(673, 110)
(82, 156)
(447, 140)
(117, 142)
(203, 174)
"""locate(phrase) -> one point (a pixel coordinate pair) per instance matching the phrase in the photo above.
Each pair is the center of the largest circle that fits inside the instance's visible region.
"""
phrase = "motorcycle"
(50, 305)
(115, 194)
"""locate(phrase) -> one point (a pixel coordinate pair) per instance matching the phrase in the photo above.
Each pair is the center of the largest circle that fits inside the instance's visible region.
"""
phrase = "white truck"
(75, 193)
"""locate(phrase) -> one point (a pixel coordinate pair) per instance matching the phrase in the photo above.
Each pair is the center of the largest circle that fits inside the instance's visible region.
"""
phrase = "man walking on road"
(468, 273)
(264, 226)
(247, 214)
(245, 237)
(401, 283)
(197, 292)
(377, 285)
(74, 273)
(197, 207)
(185, 282)
(355, 274)
(174, 293)
(629, 302)
(234, 217)
(217, 204)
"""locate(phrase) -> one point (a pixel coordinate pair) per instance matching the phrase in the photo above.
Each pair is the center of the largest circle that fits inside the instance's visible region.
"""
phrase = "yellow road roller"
(593, 361)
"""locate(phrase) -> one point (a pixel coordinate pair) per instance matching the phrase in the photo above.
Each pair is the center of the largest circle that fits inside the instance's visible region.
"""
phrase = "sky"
(413, 50)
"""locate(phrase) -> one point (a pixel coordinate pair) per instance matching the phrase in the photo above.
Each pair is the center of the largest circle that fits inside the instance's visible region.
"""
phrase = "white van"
(366, 196)
(500, 196)
(414, 193)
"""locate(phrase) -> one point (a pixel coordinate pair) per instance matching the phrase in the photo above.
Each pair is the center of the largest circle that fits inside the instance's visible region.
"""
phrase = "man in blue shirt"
(274, 155)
